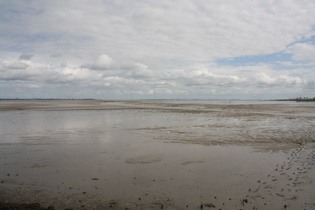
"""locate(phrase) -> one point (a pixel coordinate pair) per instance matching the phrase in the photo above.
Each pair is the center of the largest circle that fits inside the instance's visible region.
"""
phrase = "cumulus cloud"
(140, 70)
(280, 81)
(103, 62)
(139, 79)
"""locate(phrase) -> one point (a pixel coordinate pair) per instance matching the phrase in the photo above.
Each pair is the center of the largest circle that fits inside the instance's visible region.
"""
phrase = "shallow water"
(147, 154)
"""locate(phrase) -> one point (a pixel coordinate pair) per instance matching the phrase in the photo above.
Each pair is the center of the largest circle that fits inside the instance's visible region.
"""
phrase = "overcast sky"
(147, 49)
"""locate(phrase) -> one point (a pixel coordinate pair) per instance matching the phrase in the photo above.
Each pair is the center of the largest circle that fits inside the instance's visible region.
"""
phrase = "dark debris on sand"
(32, 206)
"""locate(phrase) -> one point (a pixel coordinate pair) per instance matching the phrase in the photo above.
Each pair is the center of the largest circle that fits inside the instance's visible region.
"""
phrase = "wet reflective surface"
(158, 154)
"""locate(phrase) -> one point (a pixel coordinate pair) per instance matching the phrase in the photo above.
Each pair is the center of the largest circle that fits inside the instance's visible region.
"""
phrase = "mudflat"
(93, 154)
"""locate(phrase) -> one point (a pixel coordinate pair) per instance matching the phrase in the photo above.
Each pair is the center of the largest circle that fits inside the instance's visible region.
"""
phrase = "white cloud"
(103, 62)
(138, 79)
(280, 81)
(141, 70)
(177, 29)
(156, 47)
(302, 52)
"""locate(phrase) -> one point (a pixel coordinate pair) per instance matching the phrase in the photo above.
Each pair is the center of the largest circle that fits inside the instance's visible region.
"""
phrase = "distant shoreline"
(47, 99)
(297, 100)
(113, 100)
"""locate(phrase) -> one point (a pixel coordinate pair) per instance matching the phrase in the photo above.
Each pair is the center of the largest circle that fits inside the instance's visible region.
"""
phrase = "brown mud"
(157, 155)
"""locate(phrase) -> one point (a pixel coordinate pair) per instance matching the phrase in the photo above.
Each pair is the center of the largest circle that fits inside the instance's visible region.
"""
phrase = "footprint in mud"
(286, 178)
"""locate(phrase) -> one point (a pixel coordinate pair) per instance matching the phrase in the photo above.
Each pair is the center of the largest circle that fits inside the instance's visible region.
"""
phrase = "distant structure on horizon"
(303, 99)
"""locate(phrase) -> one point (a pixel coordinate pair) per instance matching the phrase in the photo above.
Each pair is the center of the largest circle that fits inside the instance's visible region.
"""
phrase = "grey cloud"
(311, 85)
(56, 55)
(17, 65)
(26, 56)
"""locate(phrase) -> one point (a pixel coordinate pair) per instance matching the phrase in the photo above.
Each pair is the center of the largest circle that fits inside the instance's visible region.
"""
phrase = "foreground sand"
(158, 154)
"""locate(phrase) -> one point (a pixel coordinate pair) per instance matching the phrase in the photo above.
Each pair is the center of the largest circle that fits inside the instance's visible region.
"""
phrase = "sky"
(148, 49)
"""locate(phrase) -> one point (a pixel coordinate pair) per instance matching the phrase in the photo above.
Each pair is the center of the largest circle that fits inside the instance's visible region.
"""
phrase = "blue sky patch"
(253, 60)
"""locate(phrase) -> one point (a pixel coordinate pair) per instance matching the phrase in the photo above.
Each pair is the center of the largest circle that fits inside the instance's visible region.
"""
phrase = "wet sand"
(158, 154)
